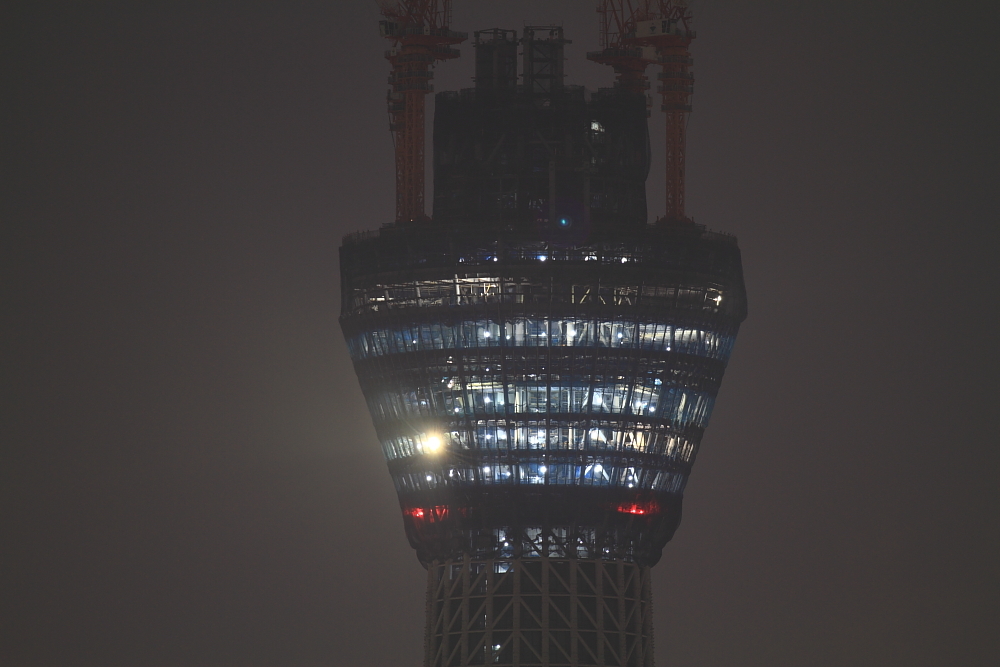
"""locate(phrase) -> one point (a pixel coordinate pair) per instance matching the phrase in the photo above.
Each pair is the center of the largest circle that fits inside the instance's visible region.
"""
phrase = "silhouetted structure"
(540, 365)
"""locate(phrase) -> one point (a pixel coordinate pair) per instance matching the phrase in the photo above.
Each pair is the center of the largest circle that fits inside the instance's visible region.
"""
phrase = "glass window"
(541, 332)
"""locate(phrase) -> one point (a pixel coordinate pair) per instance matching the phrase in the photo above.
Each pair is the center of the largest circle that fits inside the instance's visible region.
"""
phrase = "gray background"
(190, 476)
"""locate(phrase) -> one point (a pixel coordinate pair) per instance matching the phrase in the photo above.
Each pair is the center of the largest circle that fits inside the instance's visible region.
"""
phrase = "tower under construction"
(540, 363)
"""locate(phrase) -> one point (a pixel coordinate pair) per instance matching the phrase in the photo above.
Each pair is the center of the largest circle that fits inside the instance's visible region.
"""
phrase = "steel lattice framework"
(559, 613)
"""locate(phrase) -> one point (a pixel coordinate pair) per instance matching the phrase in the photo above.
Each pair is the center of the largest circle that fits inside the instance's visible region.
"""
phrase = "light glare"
(433, 443)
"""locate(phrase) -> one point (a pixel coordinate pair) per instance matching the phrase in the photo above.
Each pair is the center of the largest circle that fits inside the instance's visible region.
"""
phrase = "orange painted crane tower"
(635, 34)
(420, 35)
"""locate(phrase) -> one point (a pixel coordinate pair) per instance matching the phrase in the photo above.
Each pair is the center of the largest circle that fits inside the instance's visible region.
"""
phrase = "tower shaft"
(538, 611)
(540, 364)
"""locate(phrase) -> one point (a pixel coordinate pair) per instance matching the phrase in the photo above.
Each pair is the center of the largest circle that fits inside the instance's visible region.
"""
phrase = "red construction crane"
(629, 60)
(420, 36)
(635, 34)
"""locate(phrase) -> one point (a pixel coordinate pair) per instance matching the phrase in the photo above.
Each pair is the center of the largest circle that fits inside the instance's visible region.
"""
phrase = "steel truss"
(546, 612)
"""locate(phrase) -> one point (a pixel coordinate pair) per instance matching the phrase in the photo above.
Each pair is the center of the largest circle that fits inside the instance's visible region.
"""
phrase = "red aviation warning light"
(639, 508)
(420, 35)
(432, 514)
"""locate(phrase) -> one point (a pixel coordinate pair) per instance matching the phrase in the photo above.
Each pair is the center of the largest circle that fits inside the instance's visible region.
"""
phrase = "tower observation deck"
(540, 364)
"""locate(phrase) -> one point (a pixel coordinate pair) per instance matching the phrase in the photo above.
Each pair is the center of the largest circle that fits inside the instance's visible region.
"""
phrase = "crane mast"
(635, 34)
(420, 34)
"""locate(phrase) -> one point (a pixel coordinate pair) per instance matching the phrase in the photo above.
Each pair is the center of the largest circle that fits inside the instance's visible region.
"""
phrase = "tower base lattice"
(539, 611)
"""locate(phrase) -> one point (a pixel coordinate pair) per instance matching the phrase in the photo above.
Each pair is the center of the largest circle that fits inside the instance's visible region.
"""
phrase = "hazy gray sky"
(190, 476)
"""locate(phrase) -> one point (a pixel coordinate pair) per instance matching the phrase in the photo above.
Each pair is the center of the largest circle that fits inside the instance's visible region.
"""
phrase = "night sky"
(189, 474)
